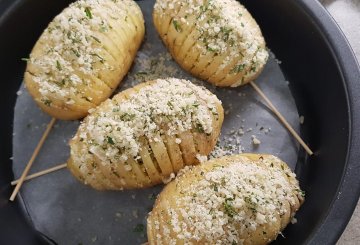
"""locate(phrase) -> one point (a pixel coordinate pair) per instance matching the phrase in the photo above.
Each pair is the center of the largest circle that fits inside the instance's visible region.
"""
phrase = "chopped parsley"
(199, 128)
(77, 54)
(58, 65)
(141, 73)
(210, 49)
(229, 209)
(251, 205)
(101, 59)
(139, 228)
(110, 140)
(302, 193)
(88, 13)
(96, 39)
(127, 117)
(25, 59)
(238, 68)
(226, 31)
(47, 102)
(177, 26)
(152, 196)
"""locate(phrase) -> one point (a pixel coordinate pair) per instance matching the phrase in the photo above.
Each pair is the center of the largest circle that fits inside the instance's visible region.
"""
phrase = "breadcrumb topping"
(229, 201)
(167, 106)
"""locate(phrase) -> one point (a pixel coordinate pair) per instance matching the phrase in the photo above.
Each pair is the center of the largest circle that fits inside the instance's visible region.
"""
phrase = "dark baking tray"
(325, 84)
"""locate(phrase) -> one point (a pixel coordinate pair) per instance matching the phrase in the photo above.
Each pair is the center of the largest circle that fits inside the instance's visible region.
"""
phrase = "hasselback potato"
(145, 134)
(239, 199)
(82, 56)
(215, 40)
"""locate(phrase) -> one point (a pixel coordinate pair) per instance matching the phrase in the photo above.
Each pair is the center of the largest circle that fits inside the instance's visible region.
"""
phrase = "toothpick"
(281, 118)
(32, 159)
(43, 172)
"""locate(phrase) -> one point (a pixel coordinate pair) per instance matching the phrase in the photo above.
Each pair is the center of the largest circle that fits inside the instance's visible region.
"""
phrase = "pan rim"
(331, 227)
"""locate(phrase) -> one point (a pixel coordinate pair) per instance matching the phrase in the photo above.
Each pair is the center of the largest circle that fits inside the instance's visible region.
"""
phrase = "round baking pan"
(324, 77)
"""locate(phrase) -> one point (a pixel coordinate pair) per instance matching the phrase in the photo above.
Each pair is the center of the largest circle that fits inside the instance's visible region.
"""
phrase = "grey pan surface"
(323, 77)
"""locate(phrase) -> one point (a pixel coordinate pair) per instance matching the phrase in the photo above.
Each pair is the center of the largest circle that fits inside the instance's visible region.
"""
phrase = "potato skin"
(217, 41)
(161, 153)
(82, 56)
(177, 211)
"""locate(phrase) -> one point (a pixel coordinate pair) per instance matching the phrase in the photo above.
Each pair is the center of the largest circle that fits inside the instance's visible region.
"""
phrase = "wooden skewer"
(32, 159)
(281, 118)
(43, 172)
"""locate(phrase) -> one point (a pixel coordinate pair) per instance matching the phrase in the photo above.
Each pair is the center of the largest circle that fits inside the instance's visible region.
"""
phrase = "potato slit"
(141, 178)
(128, 178)
(160, 153)
(180, 38)
(148, 163)
(101, 173)
(187, 148)
(174, 152)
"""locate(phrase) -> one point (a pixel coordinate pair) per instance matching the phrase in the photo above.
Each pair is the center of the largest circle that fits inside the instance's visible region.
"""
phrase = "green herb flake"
(199, 128)
(208, 48)
(88, 13)
(152, 196)
(47, 102)
(110, 140)
(177, 26)
(226, 32)
(170, 105)
(127, 117)
(302, 193)
(101, 59)
(250, 204)
(229, 209)
(238, 68)
(25, 59)
(96, 39)
(77, 54)
(139, 228)
(141, 73)
(215, 187)
(58, 65)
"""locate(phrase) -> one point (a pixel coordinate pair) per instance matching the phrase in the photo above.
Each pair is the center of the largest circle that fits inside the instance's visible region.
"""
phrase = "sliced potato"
(215, 40)
(239, 199)
(82, 56)
(145, 135)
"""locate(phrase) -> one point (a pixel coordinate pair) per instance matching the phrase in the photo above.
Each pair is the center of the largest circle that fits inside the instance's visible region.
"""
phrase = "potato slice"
(144, 134)
(174, 152)
(245, 198)
(214, 40)
(187, 147)
(160, 153)
(82, 56)
(151, 169)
